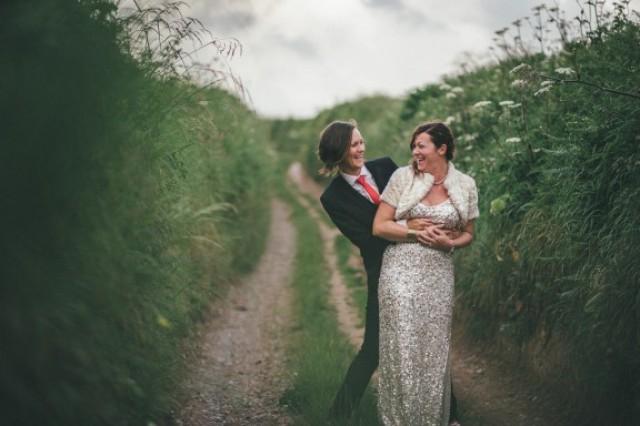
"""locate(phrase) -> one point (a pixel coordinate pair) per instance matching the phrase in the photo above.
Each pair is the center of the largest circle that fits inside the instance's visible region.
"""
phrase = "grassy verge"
(122, 191)
(355, 277)
(321, 355)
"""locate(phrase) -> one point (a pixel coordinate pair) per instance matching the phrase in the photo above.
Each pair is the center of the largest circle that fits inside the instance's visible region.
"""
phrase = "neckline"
(435, 205)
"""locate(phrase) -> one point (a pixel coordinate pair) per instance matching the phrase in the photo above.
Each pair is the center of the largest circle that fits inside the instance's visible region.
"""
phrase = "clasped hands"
(432, 234)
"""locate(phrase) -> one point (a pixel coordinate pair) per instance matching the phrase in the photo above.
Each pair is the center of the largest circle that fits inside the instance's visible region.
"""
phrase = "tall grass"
(130, 198)
(555, 160)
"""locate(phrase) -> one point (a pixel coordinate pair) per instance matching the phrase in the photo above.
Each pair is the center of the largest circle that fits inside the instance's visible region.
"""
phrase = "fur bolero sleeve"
(406, 189)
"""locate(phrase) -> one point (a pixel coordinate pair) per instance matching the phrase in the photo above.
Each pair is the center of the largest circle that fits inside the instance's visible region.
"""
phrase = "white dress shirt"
(351, 180)
(368, 177)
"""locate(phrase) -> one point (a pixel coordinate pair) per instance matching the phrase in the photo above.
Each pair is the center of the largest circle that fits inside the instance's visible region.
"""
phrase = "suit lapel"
(349, 192)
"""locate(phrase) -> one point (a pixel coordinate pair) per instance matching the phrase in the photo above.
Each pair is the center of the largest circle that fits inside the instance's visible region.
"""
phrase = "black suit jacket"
(353, 214)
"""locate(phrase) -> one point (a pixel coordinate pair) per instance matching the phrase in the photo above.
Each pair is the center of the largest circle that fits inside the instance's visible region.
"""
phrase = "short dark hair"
(334, 144)
(440, 135)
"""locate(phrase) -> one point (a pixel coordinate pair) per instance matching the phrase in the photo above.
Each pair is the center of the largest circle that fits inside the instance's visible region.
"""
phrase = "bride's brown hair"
(440, 135)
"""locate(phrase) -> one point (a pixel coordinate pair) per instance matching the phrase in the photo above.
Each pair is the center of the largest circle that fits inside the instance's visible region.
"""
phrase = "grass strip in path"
(353, 273)
(320, 354)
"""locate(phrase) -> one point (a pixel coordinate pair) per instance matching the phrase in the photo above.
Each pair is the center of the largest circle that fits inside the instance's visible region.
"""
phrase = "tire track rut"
(240, 371)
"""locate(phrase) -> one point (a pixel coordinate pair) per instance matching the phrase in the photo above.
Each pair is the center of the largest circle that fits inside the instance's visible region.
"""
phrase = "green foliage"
(558, 175)
(128, 201)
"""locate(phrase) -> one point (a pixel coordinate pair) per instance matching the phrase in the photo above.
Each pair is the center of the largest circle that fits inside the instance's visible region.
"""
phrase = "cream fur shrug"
(406, 189)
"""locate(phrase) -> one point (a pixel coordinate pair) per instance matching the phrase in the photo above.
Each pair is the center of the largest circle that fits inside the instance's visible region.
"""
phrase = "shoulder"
(403, 174)
(331, 191)
(401, 178)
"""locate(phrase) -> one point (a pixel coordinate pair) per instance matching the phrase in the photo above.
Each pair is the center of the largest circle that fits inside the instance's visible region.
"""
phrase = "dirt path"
(493, 394)
(339, 293)
(489, 394)
(240, 370)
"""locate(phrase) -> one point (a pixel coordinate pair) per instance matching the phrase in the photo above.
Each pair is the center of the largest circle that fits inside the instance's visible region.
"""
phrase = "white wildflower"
(450, 95)
(506, 103)
(450, 119)
(547, 83)
(512, 140)
(518, 105)
(518, 84)
(457, 89)
(565, 71)
(468, 148)
(542, 90)
(519, 68)
(468, 137)
(203, 103)
(481, 104)
(444, 87)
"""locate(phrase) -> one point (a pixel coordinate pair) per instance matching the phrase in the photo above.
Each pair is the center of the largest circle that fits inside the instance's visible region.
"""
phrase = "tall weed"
(131, 196)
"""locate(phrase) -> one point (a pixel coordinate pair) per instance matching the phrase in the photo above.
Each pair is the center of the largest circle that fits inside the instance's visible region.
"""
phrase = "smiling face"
(425, 153)
(354, 157)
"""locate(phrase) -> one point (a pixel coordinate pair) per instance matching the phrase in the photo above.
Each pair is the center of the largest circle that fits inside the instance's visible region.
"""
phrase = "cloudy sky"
(302, 56)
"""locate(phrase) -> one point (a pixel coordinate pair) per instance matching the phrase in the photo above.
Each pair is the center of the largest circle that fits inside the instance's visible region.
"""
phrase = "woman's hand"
(435, 236)
(419, 224)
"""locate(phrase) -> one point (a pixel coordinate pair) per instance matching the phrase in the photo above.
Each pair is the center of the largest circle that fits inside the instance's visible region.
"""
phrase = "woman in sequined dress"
(417, 280)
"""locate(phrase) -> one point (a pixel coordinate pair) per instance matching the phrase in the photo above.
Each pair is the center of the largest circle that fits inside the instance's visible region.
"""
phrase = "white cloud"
(301, 56)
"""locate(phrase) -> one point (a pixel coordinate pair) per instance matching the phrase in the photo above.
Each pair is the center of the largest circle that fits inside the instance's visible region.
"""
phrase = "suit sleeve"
(356, 231)
(391, 163)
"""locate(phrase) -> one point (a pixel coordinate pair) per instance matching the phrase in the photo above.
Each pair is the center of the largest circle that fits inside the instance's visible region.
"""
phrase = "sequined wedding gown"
(416, 300)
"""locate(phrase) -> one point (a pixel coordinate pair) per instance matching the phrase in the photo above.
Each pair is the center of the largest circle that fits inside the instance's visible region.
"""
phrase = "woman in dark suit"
(351, 203)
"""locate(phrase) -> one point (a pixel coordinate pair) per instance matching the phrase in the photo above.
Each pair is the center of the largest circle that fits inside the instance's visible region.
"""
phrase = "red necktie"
(372, 192)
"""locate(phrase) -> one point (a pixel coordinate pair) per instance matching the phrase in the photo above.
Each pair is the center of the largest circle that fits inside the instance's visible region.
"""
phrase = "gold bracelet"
(412, 235)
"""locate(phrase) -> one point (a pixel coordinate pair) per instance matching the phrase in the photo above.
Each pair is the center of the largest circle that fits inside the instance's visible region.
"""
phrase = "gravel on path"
(240, 370)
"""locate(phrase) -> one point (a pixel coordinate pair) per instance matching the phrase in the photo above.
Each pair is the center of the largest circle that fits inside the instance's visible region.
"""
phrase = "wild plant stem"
(590, 84)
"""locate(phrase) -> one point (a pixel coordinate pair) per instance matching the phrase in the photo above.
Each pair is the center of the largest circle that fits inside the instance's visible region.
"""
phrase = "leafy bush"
(130, 197)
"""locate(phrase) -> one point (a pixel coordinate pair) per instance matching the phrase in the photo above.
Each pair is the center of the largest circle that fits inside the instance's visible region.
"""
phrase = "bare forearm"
(390, 230)
(465, 237)
(385, 226)
(463, 240)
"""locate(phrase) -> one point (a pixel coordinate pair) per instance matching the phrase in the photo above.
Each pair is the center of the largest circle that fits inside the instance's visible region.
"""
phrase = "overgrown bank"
(130, 198)
(552, 141)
